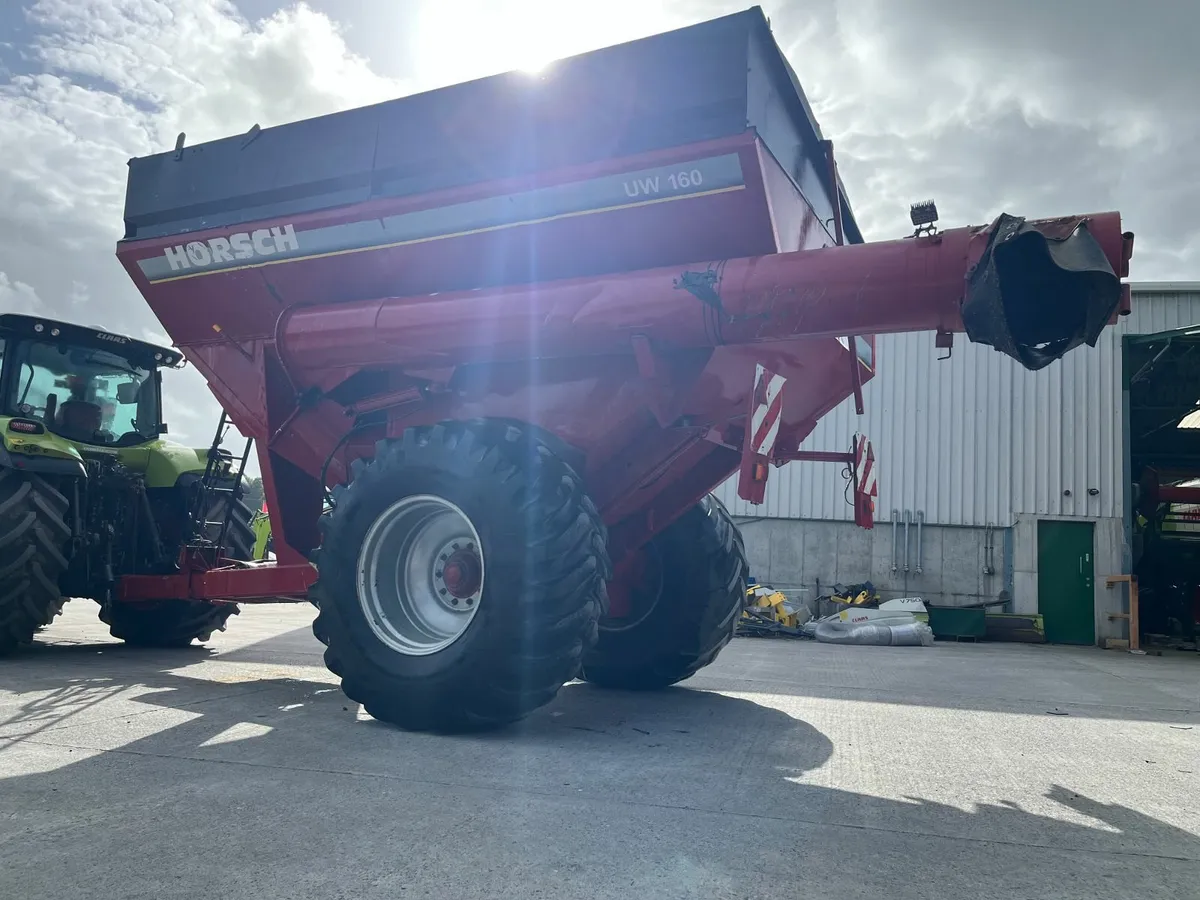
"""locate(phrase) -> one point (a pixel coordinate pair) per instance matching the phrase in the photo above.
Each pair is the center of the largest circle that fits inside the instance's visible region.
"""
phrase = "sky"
(1032, 107)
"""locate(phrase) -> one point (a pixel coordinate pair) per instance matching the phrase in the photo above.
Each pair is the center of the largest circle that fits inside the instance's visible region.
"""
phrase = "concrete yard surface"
(787, 769)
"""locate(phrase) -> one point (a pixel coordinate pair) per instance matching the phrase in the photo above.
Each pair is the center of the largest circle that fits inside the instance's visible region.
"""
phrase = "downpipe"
(920, 549)
(895, 524)
(989, 535)
(907, 519)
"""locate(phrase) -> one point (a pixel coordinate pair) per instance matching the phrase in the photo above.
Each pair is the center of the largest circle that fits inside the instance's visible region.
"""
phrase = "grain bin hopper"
(521, 327)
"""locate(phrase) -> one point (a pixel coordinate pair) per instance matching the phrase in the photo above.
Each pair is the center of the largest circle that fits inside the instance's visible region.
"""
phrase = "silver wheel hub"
(420, 575)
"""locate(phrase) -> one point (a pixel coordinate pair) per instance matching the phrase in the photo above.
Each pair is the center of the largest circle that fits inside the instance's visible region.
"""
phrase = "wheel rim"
(420, 575)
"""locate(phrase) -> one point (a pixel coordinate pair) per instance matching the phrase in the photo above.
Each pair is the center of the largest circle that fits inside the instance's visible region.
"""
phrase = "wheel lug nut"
(454, 601)
(437, 574)
(442, 591)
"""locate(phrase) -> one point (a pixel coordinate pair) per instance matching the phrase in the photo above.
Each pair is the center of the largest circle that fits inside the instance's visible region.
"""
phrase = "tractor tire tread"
(701, 607)
(33, 536)
(174, 622)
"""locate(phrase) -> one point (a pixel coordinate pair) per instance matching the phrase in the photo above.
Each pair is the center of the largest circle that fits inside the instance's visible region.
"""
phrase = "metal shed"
(972, 452)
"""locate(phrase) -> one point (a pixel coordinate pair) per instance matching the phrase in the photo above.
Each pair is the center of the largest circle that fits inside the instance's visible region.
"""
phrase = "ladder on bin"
(219, 468)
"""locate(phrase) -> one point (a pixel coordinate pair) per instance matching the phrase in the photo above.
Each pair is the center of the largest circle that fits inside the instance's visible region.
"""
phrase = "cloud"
(1026, 107)
(1093, 108)
(18, 297)
(113, 79)
(201, 68)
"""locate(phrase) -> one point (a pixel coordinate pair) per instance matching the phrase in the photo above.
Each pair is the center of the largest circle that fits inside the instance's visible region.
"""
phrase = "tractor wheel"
(676, 606)
(33, 545)
(174, 622)
(461, 576)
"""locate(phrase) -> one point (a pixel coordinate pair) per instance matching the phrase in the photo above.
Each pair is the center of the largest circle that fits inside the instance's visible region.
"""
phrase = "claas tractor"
(497, 343)
(91, 491)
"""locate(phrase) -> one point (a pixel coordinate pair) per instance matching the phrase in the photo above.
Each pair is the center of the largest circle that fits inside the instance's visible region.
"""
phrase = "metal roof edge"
(1165, 287)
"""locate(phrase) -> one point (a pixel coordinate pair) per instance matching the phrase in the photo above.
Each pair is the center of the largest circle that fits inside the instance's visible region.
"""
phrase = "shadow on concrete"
(279, 786)
(1005, 678)
(297, 644)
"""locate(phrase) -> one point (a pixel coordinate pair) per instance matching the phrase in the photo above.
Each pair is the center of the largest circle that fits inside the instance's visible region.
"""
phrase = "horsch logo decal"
(267, 245)
(243, 245)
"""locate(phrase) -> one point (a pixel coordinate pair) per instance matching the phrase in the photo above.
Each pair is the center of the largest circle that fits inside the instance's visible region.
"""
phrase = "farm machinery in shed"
(496, 344)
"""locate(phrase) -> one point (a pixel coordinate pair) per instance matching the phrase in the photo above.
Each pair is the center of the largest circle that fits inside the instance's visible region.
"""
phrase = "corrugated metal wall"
(977, 439)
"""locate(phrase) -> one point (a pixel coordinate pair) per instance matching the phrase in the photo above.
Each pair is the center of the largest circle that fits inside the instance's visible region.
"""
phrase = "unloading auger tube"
(1033, 290)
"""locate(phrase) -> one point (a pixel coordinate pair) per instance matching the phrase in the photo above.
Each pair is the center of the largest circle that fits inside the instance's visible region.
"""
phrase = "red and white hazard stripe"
(764, 422)
(864, 466)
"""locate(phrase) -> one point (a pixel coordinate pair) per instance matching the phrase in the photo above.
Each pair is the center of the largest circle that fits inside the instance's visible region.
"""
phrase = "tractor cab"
(82, 384)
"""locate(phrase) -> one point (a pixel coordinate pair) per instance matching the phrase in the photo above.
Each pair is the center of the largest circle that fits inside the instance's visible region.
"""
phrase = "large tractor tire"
(679, 604)
(173, 622)
(34, 538)
(462, 574)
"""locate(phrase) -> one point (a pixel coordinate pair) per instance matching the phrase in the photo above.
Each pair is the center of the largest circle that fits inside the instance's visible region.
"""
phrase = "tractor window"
(87, 395)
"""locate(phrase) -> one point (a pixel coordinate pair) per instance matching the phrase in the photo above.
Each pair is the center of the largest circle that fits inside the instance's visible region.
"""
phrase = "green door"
(1066, 588)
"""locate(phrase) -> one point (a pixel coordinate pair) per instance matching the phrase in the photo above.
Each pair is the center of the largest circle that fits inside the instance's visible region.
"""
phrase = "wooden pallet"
(1132, 615)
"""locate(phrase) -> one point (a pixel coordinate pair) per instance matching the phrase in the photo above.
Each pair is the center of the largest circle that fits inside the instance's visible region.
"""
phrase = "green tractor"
(90, 491)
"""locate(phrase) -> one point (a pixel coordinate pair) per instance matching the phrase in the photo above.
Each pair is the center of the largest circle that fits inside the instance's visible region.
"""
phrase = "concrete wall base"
(953, 562)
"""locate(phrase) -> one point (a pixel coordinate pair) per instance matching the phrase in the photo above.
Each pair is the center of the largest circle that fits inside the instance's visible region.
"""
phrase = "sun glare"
(465, 39)
(533, 50)
(534, 65)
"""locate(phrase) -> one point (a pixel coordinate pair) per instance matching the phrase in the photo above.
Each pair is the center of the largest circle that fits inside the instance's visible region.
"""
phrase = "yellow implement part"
(857, 600)
(757, 598)
(261, 526)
